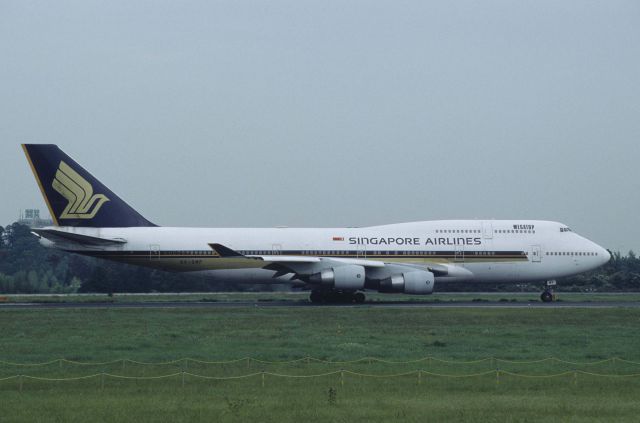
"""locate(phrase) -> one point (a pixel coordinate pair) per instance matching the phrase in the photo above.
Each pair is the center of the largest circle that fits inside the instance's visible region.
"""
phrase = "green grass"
(330, 333)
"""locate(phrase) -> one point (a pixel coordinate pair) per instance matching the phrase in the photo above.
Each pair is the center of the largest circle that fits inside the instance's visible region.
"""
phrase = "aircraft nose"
(603, 255)
(606, 256)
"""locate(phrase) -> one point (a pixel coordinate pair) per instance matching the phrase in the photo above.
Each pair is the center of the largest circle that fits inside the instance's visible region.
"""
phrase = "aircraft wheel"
(316, 297)
(546, 296)
(358, 297)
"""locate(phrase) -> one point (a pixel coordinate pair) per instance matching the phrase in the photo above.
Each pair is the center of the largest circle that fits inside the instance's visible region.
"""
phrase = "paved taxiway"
(271, 304)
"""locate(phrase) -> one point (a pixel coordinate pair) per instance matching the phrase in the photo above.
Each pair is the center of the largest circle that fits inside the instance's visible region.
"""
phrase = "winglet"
(225, 251)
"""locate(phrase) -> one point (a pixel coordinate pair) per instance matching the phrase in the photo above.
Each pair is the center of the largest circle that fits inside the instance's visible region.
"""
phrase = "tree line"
(27, 267)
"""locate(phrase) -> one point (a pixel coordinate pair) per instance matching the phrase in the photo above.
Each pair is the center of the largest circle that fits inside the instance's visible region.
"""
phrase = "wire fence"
(419, 370)
(342, 373)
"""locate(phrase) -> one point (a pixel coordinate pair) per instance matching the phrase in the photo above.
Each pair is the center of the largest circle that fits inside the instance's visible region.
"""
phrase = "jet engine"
(348, 277)
(417, 282)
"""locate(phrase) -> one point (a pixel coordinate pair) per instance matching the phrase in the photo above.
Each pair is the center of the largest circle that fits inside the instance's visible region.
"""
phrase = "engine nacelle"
(349, 277)
(418, 282)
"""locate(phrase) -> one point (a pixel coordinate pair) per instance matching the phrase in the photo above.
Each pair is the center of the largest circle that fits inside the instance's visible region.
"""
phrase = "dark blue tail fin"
(74, 197)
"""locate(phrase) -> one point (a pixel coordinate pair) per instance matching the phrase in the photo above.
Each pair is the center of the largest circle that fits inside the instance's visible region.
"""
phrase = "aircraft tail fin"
(73, 195)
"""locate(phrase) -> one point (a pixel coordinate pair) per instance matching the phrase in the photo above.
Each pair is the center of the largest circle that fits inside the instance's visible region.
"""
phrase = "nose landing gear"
(548, 295)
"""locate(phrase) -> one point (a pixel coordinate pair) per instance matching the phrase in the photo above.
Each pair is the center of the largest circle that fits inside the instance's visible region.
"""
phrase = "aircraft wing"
(439, 269)
(227, 252)
(307, 264)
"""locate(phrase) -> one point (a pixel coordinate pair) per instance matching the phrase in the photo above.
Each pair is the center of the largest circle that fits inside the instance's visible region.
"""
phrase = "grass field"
(333, 334)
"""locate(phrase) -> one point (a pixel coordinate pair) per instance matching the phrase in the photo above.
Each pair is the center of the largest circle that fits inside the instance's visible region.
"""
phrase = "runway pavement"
(272, 304)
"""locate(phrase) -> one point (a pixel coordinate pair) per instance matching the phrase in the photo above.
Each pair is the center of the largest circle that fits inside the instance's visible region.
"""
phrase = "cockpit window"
(565, 229)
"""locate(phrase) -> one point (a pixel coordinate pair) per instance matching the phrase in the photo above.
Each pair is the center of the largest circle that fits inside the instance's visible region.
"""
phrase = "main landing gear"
(318, 296)
(547, 295)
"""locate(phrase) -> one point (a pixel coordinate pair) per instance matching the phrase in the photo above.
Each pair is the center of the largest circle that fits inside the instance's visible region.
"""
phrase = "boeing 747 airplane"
(334, 263)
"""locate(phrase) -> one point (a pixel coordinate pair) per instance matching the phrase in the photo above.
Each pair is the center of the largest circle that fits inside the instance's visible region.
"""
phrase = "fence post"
(342, 377)
(419, 377)
(20, 382)
(263, 378)
(575, 377)
(123, 361)
(102, 381)
(248, 362)
(183, 378)
(60, 363)
(497, 376)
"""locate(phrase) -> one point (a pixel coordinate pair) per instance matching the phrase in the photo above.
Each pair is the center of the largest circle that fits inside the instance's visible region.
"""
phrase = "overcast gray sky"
(332, 113)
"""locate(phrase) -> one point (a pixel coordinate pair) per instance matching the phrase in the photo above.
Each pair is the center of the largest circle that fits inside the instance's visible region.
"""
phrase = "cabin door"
(459, 254)
(362, 251)
(154, 252)
(536, 254)
(487, 230)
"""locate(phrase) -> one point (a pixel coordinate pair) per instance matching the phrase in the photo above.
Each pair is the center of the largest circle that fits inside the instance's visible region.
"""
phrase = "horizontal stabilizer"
(63, 236)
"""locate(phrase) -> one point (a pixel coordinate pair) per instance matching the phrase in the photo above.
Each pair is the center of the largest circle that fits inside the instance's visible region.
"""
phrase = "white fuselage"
(473, 250)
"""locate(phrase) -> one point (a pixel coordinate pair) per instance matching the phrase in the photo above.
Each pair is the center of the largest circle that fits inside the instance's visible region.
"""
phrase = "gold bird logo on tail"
(83, 203)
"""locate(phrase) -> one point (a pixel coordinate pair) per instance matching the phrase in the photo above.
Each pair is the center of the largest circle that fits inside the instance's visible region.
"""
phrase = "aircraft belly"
(495, 271)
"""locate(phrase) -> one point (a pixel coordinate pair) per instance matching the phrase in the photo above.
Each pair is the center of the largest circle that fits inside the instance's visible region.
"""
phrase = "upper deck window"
(565, 229)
